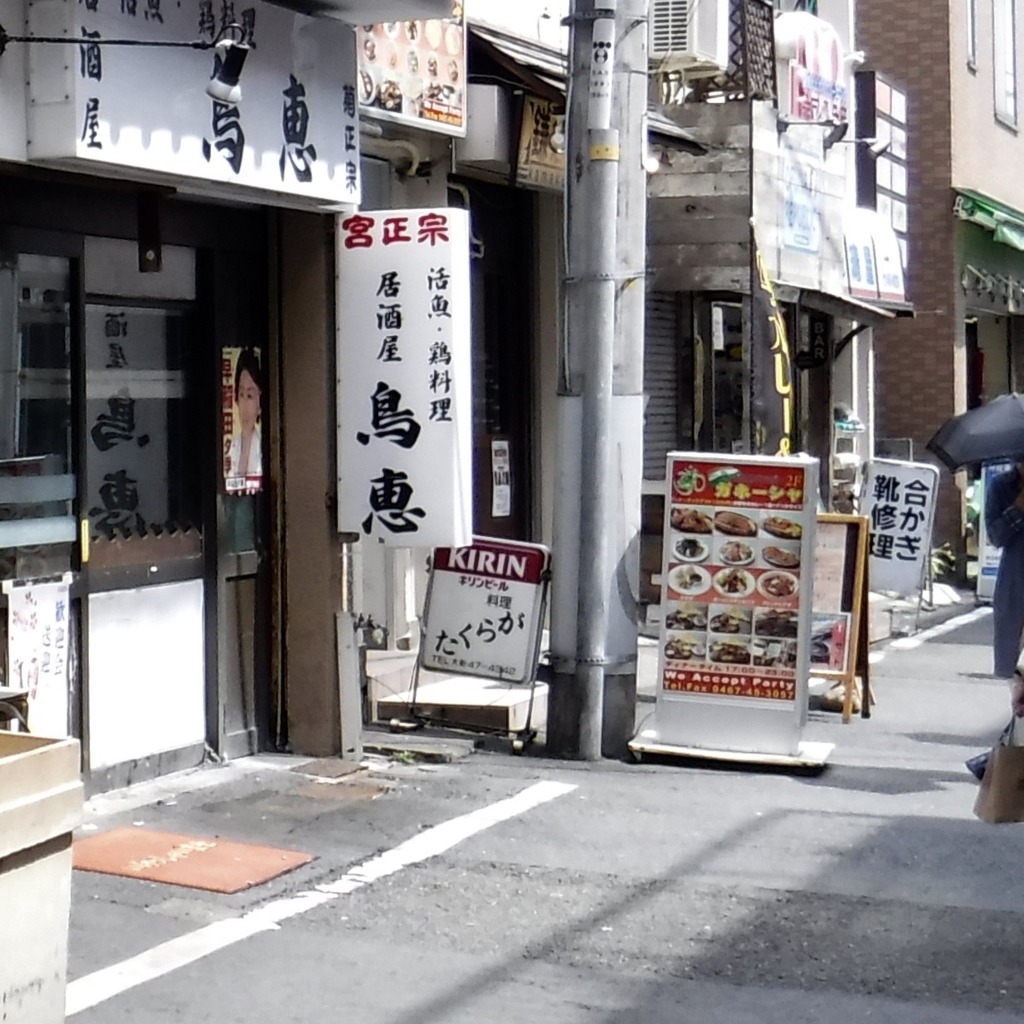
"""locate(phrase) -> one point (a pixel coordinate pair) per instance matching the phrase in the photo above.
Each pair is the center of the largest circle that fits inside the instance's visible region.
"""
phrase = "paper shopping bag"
(1001, 796)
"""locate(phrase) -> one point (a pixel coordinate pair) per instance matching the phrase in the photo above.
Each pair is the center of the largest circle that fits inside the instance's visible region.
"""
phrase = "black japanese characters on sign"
(91, 124)
(899, 518)
(294, 127)
(388, 421)
(118, 424)
(119, 495)
(390, 495)
(90, 56)
(228, 136)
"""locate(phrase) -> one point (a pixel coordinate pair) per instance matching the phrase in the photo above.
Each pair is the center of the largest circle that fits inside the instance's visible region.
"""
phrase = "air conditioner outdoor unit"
(690, 36)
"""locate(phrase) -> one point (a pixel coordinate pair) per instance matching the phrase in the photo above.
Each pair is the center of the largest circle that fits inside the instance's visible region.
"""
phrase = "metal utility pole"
(592, 700)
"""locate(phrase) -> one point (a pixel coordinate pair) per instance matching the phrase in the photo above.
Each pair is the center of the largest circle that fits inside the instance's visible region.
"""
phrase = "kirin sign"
(817, 74)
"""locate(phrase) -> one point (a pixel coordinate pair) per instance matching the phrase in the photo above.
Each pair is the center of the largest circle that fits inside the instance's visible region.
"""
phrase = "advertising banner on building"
(736, 595)
(404, 387)
(38, 647)
(241, 391)
(414, 72)
(539, 164)
(899, 500)
(771, 373)
(817, 81)
(295, 131)
(484, 611)
(989, 555)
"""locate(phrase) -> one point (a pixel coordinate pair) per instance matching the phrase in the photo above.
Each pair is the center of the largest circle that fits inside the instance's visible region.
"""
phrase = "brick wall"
(915, 360)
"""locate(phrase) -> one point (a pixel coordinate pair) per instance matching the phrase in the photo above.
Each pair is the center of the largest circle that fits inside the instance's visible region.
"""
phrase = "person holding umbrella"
(1004, 521)
(990, 432)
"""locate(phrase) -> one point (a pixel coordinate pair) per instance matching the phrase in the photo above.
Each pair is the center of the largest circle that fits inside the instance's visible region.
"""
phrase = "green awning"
(1005, 223)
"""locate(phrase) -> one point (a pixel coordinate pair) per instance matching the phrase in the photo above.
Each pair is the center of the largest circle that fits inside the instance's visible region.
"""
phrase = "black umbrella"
(992, 431)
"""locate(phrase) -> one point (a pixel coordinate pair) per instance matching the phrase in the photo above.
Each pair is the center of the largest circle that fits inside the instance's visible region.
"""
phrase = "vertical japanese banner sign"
(899, 500)
(38, 638)
(241, 392)
(404, 399)
(771, 386)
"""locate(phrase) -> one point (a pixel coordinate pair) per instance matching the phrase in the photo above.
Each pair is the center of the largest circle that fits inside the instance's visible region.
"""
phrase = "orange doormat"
(217, 865)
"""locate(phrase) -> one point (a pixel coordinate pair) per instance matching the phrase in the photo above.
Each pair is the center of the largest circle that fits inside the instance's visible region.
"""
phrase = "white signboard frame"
(725, 520)
(484, 610)
(103, 108)
(989, 556)
(899, 500)
(403, 373)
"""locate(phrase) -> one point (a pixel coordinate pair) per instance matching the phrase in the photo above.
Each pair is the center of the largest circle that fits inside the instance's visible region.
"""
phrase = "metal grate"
(670, 26)
(751, 71)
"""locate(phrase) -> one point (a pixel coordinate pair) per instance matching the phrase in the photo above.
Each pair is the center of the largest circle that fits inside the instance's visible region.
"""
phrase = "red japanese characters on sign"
(431, 229)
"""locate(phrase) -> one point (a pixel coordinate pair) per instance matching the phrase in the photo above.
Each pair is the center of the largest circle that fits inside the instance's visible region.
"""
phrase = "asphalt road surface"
(651, 893)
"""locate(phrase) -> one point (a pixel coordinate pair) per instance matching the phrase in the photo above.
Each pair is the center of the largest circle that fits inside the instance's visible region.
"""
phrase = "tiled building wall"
(919, 363)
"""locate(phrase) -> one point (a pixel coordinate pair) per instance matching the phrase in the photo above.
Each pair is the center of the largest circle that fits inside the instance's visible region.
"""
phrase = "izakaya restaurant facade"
(169, 557)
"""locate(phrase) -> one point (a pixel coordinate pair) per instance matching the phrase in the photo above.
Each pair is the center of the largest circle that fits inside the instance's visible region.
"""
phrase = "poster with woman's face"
(241, 388)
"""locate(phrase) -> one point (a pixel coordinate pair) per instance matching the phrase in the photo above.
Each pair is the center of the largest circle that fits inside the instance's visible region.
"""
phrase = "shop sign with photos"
(736, 586)
(414, 72)
(295, 131)
(403, 376)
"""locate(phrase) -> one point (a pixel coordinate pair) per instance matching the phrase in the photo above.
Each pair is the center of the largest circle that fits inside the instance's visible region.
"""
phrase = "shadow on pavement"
(790, 948)
(888, 780)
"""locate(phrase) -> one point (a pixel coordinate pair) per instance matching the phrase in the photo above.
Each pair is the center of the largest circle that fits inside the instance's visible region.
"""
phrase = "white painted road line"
(104, 984)
(908, 643)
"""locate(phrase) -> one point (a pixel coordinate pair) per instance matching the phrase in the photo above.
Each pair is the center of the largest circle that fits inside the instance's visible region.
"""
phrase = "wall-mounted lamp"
(838, 128)
(874, 147)
(557, 140)
(229, 58)
(230, 54)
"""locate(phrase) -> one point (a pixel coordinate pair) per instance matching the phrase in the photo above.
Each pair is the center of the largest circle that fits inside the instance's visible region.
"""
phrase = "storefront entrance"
(114, 484)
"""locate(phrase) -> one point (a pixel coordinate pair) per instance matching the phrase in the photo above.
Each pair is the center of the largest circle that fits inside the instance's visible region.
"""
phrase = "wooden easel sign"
(839, 620)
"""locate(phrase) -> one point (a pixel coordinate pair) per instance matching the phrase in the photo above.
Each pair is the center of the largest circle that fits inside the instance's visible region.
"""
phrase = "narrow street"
(653, 893)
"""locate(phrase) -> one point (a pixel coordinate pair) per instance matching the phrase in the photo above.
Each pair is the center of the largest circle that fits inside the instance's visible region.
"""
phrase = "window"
(1005, 35)
(972, 33)
(142, 472)
(37, 487)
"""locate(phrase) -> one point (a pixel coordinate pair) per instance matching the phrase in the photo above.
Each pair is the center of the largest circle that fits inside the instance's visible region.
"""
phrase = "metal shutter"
(661, 382)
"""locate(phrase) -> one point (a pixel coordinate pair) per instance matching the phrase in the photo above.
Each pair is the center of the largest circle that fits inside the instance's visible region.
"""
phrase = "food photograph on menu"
(732, 584)
(415, 71)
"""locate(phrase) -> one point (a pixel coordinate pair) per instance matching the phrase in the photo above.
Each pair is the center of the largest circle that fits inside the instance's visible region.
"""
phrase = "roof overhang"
(1005, 223)
(843, 307)
(369, 12)
(543, 70)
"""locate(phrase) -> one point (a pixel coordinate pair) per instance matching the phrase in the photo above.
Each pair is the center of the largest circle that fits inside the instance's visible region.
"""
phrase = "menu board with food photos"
(414, 72)
(737, 577)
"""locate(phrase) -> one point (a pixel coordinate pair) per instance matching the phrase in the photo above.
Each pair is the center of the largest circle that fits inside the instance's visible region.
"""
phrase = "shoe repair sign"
(485, 610)
(899, 500)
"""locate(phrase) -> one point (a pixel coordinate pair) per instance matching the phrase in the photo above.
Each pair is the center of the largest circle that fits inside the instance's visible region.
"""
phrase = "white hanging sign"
(295, 131)
(899, 500)
(38, 644)
(404, 398)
